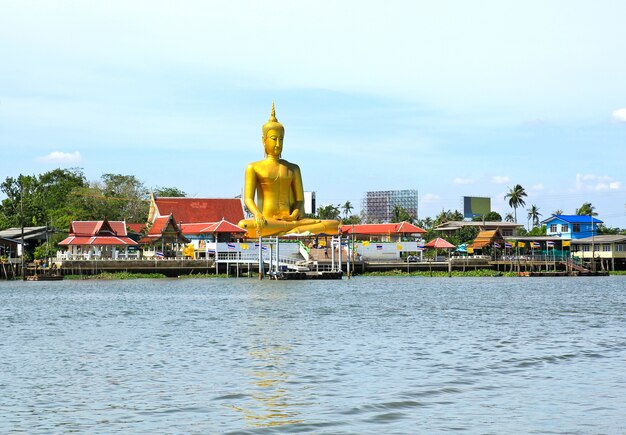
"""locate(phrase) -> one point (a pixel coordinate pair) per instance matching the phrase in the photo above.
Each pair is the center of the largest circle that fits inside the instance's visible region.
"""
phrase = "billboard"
(475, 206)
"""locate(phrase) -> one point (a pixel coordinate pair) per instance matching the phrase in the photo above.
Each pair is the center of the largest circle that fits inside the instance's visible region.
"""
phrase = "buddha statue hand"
(293, 216)
(259, 220)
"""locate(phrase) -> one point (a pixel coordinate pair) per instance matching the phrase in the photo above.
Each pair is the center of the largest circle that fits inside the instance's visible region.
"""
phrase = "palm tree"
(516, 198)
(557, 212)
(533, 214)
(509, 217)
(347, 208)
(586, 210)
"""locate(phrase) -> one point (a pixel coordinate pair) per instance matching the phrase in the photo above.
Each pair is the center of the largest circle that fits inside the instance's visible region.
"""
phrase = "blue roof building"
(571, 227)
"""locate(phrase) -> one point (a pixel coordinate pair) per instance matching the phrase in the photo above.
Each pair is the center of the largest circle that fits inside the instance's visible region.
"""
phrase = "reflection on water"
(369, 355)
(274, 404)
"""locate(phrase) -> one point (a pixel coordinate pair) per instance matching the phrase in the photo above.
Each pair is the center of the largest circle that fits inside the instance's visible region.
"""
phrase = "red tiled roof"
(92, 228)
(198, 210)
(398, 228)
(439, 243)
(136, 228)
(222, 226)
(158, 226)
(97, 240)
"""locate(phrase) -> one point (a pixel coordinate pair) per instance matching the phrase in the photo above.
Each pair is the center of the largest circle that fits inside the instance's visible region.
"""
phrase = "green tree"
(516, 198)
(533, 215)
(400, 214)
(586, 210)
(329, 212)
(492, 216)
(509, 217)
(557, 212)
(169, 192)
(447, 216)
(347, 208)
(354, 219)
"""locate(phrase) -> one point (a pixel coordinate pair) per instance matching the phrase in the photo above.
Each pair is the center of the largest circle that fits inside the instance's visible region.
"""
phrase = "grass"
(617, 272)
(204, 275)
(117, 275)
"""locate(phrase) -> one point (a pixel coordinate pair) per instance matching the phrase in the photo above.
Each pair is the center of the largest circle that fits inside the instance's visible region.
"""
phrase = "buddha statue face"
(273, 142)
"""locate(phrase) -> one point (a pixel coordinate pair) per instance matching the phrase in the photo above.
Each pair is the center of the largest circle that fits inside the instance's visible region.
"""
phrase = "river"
(366, 355)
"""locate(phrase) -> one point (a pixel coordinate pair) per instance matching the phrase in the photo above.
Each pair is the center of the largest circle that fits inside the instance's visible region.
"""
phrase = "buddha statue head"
(273, 135)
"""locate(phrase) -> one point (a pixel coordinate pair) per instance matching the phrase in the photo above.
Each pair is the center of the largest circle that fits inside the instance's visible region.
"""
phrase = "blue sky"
(449, 98)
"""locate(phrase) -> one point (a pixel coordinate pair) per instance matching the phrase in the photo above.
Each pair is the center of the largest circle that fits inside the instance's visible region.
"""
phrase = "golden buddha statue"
(279, 208)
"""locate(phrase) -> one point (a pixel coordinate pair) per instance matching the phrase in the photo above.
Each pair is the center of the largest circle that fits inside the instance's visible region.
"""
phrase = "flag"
(550, 243)
(420, 247)
(566, 243)
(379, 247)
(521, 244)
(508, 245)
(496, 245)
(245, 246)
(366, 243)
(470, 250)
(535, 245)
(159, 254)
(231, 245)
(399, 247)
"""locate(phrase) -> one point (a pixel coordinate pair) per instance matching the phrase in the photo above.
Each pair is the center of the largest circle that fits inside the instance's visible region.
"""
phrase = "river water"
(367, 355)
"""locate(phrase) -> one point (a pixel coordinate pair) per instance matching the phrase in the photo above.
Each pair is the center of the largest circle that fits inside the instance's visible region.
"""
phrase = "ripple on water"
(361, 356)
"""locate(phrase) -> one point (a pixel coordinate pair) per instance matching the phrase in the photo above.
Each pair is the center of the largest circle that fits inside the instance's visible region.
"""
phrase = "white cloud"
(619, 115)
(500, 179)
(590, 182)
(460, 181)
(61, 157)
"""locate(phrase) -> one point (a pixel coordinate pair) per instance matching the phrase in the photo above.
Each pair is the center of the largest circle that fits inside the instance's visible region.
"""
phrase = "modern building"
(378, 206)
(310, 206)
(571, 227)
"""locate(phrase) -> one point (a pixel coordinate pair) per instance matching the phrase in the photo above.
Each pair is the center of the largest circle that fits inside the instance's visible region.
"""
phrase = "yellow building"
(609, 249)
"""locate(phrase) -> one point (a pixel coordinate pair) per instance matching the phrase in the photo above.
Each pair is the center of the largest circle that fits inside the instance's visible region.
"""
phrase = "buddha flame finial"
(272, 123)
(273, 114)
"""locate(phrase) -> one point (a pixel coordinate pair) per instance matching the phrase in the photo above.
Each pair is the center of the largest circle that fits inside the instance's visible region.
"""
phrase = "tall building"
(309, 203)
(378, 206)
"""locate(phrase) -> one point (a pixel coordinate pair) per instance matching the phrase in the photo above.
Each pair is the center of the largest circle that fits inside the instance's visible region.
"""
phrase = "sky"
(450, 98)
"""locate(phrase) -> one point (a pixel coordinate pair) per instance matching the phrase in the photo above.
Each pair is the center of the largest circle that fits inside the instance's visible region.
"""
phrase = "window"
(575, 248)
(606, 248)
(553, 228)
(586, 248)
(576, 228)
(564, 228)
(620, 247)
(596, 248)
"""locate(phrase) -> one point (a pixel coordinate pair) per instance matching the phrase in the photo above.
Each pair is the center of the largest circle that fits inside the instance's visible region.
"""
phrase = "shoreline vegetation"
(480, 273)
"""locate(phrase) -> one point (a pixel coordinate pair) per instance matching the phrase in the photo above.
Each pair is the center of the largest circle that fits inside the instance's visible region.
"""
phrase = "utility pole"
(22, 227)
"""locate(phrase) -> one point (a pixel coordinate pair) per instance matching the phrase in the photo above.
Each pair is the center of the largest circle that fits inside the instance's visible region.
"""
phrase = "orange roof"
(397, 228)
(92, 228)
(198, 210)
(136, 228)
(222, 226)
(98, 240)
(484, 238)
(158, 226)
